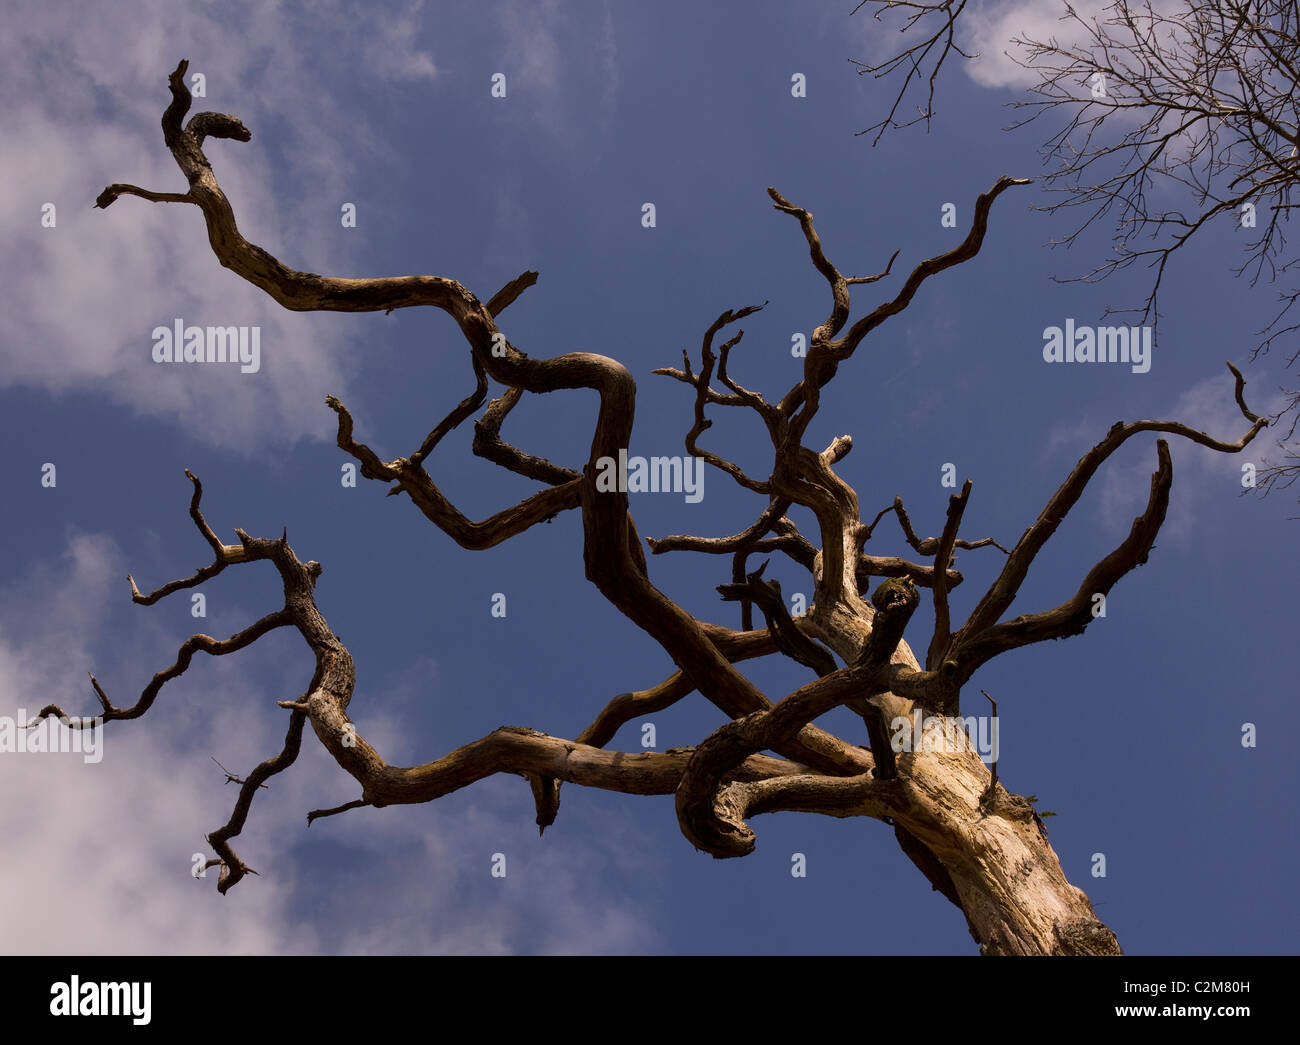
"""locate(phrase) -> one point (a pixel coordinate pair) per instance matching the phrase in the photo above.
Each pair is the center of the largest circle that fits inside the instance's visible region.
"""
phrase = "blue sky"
(1130, 733)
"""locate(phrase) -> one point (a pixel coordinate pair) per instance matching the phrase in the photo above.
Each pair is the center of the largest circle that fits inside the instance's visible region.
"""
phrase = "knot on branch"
(216, 125)
(720, 829)
(998, 801)
(895, 601)
(894, 594)
(1086, 936)
(712, 816)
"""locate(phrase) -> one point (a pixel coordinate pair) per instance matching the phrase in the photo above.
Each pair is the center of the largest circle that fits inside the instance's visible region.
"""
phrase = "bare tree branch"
(1154, 108)
(942, 14)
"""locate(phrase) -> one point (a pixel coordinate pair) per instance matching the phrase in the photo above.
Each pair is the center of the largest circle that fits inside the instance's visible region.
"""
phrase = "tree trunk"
(1001, 867)
(982, 847)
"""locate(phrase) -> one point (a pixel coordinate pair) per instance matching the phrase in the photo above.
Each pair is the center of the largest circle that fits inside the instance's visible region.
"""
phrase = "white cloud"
(388, 46)
(563, 61)
(992, 26)
(988, 29)
(87, 87)
(99, 855)
(1123, 483)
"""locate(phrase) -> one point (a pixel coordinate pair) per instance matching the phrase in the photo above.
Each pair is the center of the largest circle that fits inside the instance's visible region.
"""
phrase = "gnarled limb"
(225, 554)
(489, 444)
(611, 563)
(412, 479)
(972, 645)
(699, 804)
(785, 633)
(509, 749)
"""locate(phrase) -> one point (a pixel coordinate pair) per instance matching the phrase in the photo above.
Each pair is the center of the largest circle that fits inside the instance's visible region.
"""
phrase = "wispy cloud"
(101, 854)
(562, 61)
(988, 29)
(1122, 485)
(87, 85)
(991, 27)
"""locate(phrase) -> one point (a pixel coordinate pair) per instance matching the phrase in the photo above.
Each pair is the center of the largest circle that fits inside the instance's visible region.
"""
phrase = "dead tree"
(984, 848)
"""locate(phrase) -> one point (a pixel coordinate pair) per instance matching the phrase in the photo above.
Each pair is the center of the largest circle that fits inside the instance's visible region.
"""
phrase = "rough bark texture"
(981, 847)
